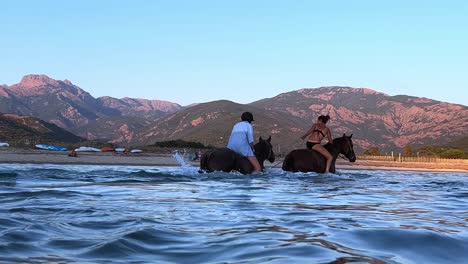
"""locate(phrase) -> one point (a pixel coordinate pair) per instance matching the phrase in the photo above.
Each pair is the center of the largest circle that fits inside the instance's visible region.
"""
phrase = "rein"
(343, 156)
(277, 164)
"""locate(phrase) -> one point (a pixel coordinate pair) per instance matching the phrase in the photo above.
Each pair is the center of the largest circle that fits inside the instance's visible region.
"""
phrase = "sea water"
(127, 214)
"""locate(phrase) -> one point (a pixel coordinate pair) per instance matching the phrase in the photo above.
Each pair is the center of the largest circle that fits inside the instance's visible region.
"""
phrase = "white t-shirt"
(240, 139)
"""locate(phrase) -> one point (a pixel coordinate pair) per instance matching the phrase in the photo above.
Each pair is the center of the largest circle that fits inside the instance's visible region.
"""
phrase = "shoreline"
(87, 158)
(20, 156)
(401, 166)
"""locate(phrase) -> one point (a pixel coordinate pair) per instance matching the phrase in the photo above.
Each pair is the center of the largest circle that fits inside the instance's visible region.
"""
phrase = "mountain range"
(374, 118)
(70, 107)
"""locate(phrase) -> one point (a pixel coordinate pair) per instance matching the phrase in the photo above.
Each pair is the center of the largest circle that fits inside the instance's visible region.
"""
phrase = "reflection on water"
(122, 214)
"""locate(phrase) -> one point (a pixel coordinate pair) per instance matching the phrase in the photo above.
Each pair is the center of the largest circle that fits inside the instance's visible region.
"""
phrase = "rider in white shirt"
(241, 140)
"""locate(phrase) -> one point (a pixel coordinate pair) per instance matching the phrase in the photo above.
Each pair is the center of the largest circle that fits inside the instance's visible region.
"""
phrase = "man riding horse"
(241, 154)
(241, 140)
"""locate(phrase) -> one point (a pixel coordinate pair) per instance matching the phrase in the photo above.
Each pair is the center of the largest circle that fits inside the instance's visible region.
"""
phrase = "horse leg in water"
(332, 167)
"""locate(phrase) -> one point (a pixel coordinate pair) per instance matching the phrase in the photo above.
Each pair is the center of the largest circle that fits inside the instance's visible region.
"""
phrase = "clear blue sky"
(198, 51)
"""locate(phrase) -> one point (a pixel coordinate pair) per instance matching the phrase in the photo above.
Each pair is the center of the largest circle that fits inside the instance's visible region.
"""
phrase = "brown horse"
(224, 159)
(305, 160)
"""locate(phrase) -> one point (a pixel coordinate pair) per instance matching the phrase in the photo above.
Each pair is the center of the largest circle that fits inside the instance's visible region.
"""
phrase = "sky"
(243, 50)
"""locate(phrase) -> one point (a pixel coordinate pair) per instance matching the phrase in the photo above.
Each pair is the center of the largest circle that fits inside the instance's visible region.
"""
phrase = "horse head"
(346, 148)
(264, 150)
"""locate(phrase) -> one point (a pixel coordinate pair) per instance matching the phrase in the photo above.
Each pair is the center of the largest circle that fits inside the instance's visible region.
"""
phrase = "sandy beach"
(87, 158)
(33, 156)
(404, 166)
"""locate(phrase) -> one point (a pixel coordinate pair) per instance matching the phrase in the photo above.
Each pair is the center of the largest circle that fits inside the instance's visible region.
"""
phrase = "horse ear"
(269, 139)
(344, 134)
(260, 139)
(351, 136)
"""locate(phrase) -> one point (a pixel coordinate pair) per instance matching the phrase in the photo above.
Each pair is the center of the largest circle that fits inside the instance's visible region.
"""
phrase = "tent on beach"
(107, 149)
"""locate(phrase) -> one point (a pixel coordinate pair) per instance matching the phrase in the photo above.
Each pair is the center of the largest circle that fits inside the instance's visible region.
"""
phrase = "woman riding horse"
(305, 160)
(315, 136)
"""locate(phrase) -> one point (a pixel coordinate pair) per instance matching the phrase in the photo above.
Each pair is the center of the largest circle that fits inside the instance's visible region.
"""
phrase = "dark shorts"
(309, 144)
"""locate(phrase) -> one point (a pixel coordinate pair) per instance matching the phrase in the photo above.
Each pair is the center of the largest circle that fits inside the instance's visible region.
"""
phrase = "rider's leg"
(326, 154)
(253, 160)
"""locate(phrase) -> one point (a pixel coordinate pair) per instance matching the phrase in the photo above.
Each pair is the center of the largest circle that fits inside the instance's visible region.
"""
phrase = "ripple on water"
(138, 244)
(123, 214)
(409, 245)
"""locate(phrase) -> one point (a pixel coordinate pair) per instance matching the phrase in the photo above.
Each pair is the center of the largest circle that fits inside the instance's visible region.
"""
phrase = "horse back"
(221, 159)
(224, 159)
(304, 160)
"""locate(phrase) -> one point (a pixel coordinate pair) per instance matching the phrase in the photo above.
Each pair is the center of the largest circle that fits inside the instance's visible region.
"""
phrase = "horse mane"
(336, 139)
(333, 148)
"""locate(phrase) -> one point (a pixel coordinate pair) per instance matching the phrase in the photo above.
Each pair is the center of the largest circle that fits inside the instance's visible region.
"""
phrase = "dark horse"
(305, 160)
(224, 159)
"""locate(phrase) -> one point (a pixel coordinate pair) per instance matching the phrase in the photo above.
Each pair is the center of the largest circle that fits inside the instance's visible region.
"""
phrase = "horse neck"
(260, 159)
(334, 148)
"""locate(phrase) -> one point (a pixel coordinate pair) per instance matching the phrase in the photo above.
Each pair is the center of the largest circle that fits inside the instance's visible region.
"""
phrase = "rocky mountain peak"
(335, 90)
(34, 80)
(145, 104)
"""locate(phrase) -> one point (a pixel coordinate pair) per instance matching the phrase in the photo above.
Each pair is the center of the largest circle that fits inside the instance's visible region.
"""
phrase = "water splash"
(180, 159)
(187, 169)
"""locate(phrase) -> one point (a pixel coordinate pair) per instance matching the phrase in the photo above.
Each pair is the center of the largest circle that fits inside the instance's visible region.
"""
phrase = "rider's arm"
(252, 147)
(250, 138)
(308, 132)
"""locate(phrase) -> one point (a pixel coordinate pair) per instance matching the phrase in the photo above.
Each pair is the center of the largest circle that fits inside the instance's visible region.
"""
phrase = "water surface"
(125, 214)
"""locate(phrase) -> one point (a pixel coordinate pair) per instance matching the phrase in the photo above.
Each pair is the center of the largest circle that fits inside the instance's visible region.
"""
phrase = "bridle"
(348, 152)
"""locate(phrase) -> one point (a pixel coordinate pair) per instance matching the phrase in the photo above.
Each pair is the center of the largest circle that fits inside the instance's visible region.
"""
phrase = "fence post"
(399, 157)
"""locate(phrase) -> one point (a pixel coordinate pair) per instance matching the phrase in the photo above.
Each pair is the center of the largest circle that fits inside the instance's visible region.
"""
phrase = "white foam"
(186, 168)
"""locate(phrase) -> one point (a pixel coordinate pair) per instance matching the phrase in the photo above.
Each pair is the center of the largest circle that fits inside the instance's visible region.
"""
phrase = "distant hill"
(375, 119)
(27, 130)
(211, 123)
(70, 107)
(133, 107)
(459, 143)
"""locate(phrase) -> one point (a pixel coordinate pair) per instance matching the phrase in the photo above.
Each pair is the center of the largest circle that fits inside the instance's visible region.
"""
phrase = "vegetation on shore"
(424, 151)
(179, 144)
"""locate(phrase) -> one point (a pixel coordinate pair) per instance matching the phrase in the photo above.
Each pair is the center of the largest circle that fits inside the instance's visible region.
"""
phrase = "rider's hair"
(324, 118)
(247, 116)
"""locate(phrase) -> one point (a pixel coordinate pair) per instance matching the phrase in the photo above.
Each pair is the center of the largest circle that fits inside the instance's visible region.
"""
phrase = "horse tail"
(288, 163)
(204, 161)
